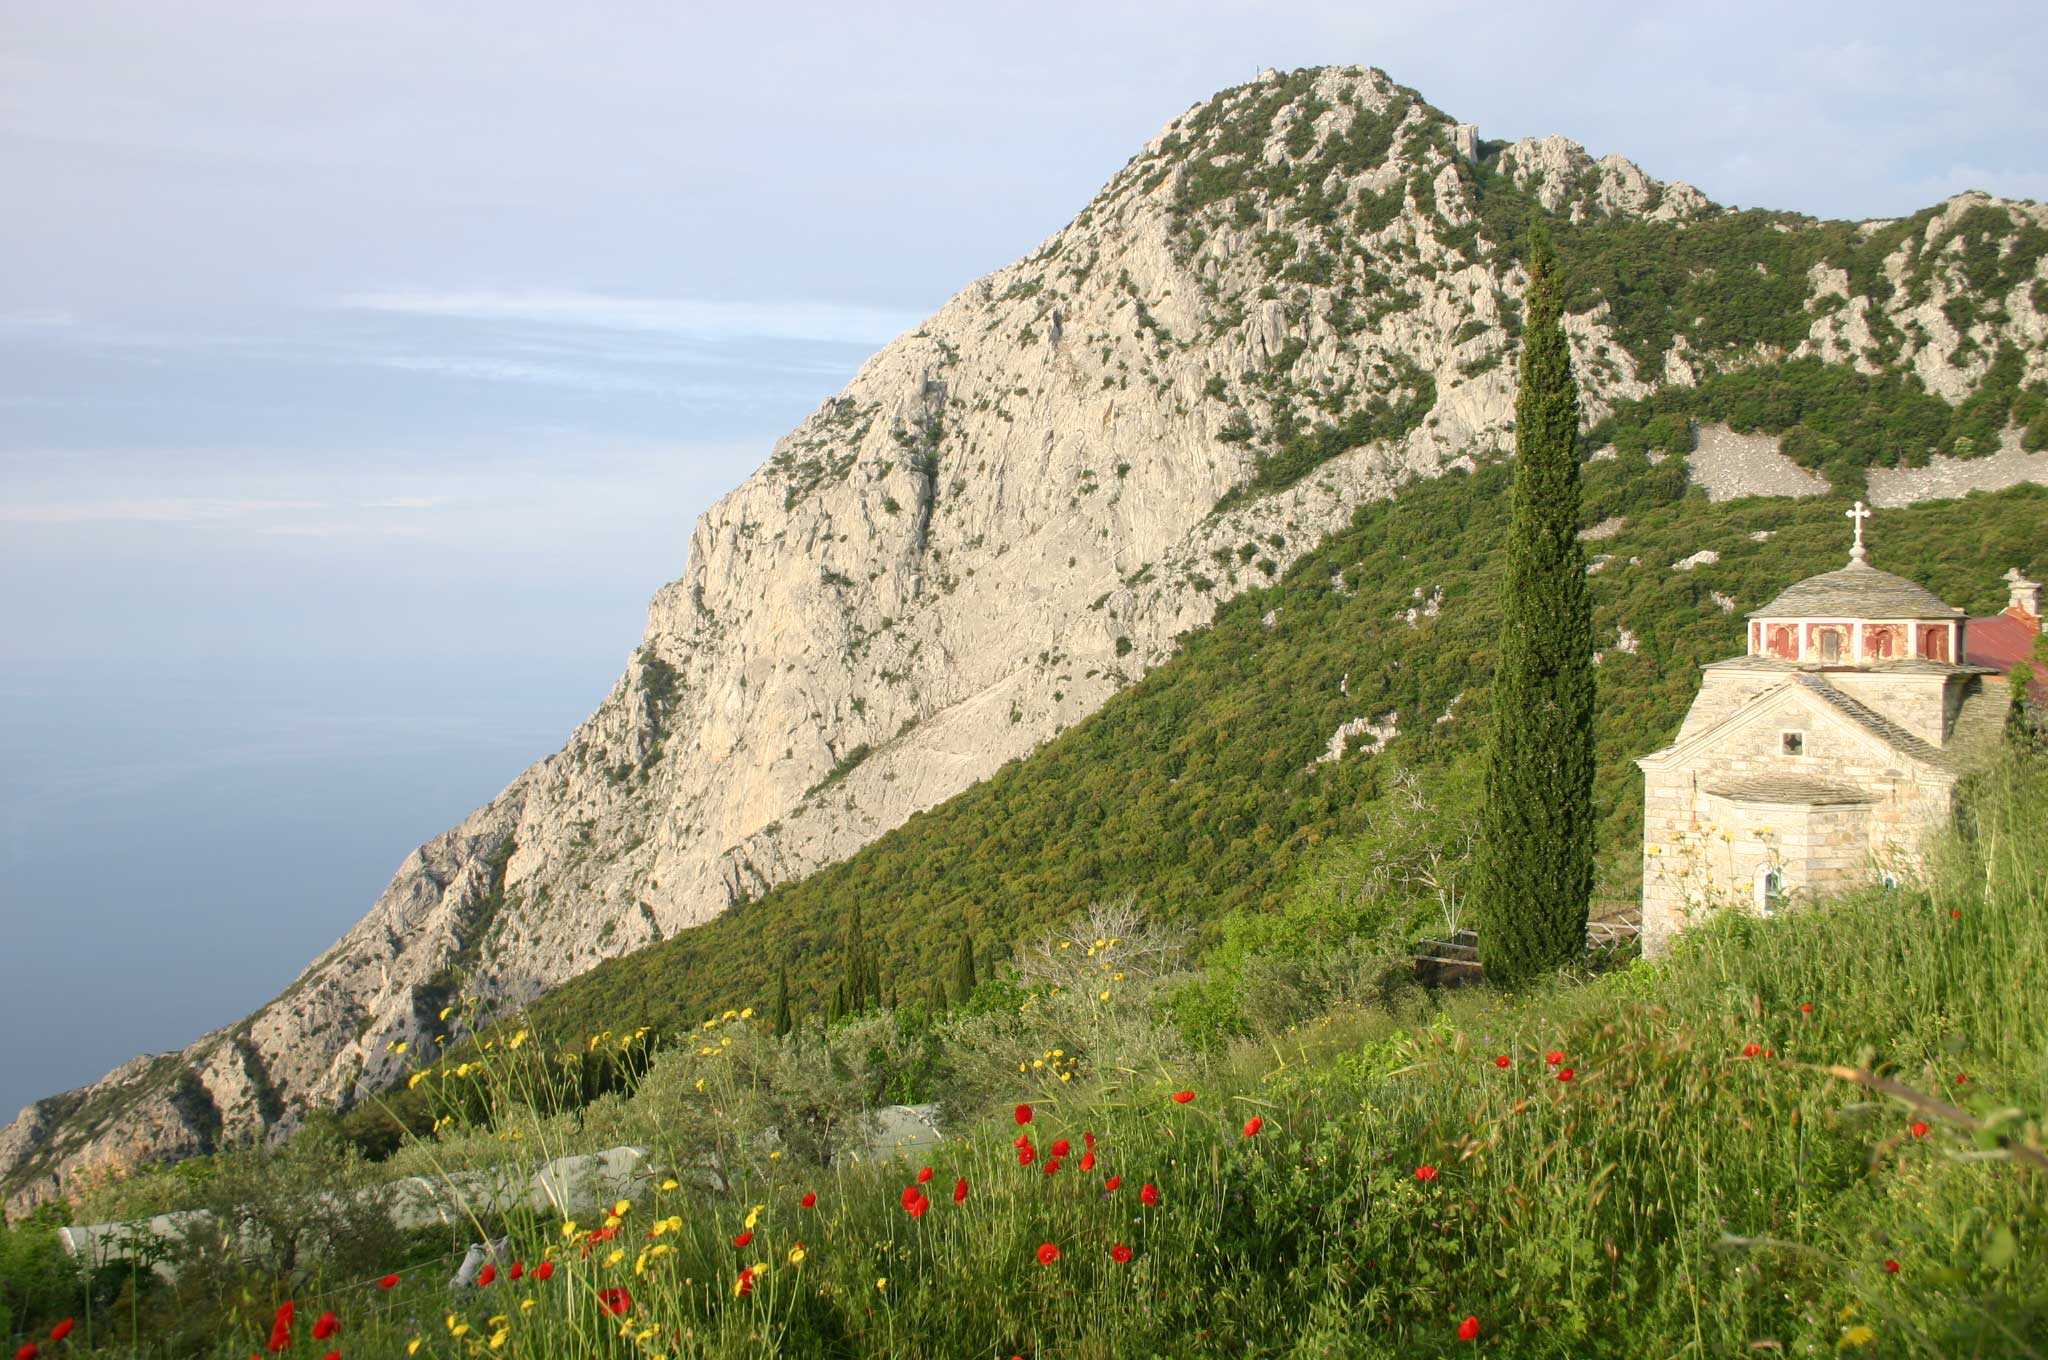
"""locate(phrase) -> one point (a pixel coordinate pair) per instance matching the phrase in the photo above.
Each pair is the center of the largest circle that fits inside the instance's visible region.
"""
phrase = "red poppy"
(1088, 1160)
(917, 1207)
(1252, 1126)
(1021, 1140)
(1891, 1267)
(331, 1355)
(1751, 1050)
(1183, 1097)
(544, 1271)
(745, 1286)
(1770, 1053)
(518, 1269)
(1113, 1182)
(281, 1327)
(1052, 1166)
(1806, 1008)
(615, 1301)
(809, 1201)
(1119, 1253)
(744, 1238)
(1501, 1061)
(924, 1176)
(1553, 1057)
(960, 1191)
(1565, 1074)
(327, 1325)
(1026, 1154)
(1956, 915)
(1061, 1147)
(63, 1329)
(911, 1195)
(1919, 1128)
(388, 1282)
(1047, 1254)
(1425, 1173)
(1149, 1195)
(1088, 1141)
(28, 1351)
(1468, 1330)
(490, 1273)
(1023, 1114)
(1962, 1078)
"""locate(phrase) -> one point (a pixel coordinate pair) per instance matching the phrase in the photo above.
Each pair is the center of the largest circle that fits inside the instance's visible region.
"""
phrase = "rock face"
(1285, 304)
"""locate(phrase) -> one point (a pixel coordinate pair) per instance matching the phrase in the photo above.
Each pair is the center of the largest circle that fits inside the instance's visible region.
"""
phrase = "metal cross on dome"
(1857, 515)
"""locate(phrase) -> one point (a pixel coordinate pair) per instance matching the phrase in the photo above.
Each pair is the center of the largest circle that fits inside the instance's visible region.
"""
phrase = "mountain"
(1302, 296)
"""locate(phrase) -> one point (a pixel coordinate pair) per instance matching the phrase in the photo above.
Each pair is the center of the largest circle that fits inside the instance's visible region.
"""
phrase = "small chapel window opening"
(1770, 891)
(1793, 743)
(1830, 644)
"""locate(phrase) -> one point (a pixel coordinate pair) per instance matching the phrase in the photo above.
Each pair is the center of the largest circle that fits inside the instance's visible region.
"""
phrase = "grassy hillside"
(1815, 1134)
(1198, 789)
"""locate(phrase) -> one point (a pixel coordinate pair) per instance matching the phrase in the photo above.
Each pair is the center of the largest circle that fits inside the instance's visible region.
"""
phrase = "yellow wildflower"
(415, 1079)
(516, 1040)
(618, 1255)
(623, 1207)
(671, 1183)
(754, 1215)
(775, 1156)
(498, 1338)
(569, 1228)
(1859, 1335)
(447, 1011)
(401, 1046)
(796, 1254)
(1105, 996)
(730, 1015)
(525, 1304)
(882, 1283)
(700, 1083)
(747, 1014)
(412, 1347)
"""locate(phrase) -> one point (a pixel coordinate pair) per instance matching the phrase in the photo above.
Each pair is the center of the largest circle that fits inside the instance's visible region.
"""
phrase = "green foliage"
(1834, 419)
(1705, 1183)
(1198, 787)
(1385, 418)
(963, 971)
(1534, 870)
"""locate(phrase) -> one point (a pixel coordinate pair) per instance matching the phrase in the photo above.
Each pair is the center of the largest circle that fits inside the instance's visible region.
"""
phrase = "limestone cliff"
(1296, 297)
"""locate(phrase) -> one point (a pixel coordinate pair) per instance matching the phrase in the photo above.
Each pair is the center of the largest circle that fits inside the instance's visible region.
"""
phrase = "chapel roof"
(1857, 591)
(1786, 789)
(1899, 665)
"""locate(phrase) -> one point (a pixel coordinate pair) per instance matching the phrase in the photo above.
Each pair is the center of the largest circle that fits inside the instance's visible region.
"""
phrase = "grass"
(1674, 1197)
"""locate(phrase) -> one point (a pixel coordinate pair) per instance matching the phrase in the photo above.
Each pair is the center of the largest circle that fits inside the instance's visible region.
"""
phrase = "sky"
(364, 365)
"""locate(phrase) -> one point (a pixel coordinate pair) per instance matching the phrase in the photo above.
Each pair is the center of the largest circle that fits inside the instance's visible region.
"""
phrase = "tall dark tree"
(1534, 861)
(963, 970)
(785, 1019)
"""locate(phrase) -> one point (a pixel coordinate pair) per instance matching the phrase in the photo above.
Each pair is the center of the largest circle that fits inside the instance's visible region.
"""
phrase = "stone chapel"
(1821, 758)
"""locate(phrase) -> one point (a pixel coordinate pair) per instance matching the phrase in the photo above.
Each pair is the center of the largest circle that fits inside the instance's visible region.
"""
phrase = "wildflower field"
(1815, 1134)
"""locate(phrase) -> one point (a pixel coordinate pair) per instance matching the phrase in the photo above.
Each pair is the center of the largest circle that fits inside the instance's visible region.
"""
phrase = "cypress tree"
(1534, 860)
(784, 1020)
(963, 970)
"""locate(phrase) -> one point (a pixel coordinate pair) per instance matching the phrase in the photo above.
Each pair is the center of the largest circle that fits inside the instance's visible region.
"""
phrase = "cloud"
(694, 318)
(152, 510)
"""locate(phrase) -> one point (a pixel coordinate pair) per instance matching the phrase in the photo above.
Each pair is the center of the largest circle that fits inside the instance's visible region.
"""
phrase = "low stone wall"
(569, 1186)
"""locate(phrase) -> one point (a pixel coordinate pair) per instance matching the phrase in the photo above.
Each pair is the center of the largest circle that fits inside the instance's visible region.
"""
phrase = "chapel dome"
(1857, 591)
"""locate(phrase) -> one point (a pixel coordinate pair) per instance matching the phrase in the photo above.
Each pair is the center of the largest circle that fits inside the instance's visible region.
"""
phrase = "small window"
(1794, 743)
(1890, 881)
(1830, 645)
(1770, 891)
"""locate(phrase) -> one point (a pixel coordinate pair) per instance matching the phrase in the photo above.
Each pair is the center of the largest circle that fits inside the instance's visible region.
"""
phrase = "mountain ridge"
(1297, 297)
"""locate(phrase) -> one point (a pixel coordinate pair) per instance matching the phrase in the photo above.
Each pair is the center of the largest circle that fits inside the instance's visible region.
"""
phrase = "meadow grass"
(1702, 1184)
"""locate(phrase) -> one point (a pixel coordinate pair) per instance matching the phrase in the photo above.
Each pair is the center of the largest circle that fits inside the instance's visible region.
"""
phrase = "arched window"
(1770, 890)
